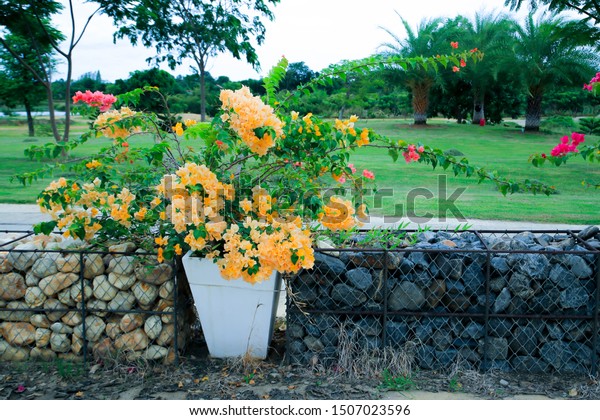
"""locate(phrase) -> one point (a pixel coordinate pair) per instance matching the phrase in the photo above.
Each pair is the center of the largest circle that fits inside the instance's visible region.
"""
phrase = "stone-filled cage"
(62, 299)
(513, 301)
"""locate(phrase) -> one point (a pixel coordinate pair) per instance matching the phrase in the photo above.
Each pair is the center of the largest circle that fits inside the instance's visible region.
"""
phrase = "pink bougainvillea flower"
(463, 63)
(352, 168)
(455, 69)
(95, 99)
(454, 44)
(421, 149)
(567, 146)
(368, 174)
(342, 180)
(21, 388)
(411, 155)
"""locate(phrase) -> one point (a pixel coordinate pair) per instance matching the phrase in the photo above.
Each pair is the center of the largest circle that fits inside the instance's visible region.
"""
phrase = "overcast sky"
(318, 32)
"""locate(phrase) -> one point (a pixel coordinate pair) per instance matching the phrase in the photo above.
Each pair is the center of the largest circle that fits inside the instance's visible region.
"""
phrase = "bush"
(559, 123)
(589, 125)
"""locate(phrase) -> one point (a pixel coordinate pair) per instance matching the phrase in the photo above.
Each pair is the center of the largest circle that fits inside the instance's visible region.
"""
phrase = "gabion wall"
(509, 301)
(61, 299)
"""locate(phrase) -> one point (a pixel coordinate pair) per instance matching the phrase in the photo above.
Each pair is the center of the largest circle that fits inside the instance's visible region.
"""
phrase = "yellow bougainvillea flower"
(160, 241)
(190, 123)
(178, 129)
(93, 164)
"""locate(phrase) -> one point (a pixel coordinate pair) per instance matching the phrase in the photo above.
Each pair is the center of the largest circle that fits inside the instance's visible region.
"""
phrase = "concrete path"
(23, 216)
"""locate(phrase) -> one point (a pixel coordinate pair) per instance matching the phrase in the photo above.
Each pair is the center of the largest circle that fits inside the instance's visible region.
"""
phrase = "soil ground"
(198, 377)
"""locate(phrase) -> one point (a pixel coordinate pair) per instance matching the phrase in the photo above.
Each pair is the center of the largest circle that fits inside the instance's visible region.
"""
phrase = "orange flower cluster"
(106, 123)
(339, 215)
(245, 113)
(284, 248)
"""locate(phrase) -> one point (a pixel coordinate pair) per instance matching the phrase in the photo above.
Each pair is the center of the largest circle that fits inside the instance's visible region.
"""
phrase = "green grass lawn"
(503, 148)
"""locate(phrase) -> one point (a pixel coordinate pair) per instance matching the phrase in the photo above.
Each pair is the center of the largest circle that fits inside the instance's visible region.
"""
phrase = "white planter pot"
(237, 317)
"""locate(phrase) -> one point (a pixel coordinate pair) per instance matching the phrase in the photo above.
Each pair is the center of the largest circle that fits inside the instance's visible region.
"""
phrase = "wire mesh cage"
(513, 301)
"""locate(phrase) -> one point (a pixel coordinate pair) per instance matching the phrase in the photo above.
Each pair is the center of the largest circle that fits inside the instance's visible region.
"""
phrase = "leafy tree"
(89, 81)
(491, 33)
(28, 21)
(545, 58)
(150, 101)
(297, 74)
(589, 8)
(17, 84)
(195, 29)
(433, 36)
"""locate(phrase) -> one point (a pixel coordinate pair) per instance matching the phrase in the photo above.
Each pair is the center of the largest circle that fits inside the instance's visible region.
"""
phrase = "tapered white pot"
(236, 317)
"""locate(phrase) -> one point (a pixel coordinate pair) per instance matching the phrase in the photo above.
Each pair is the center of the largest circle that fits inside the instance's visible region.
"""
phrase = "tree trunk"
(202, 93)
(533, 114)
(478, 106)
(420, 101)
(30, 125)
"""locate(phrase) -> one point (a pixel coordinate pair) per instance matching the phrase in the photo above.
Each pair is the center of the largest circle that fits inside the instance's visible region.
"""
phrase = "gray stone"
(60, 328)
(360, 278)
(562, 277)
(496, 348)
(502, 301)
(406, 295)
(60, 343)
(325, 321)
(34, 297)
(498, 283)
(123, 301)
(556, 353)
(588, 233)
(546, 301)
(436, 292)
(124, 247)
(313, 343)
(426, 358)
(103, 289)
(576, 330)
(579, 267)
(555, 331)
(76, 293)
(375, 260)
(423, 331)
(518, 245)
(44, 267)
(455, 287)
(12, 286)
(155, 274)
(420, 259)
(153, 327)
(500, 327)
(93, 266)
(473, 278)
(55, 310)
(520, 285)
(10, 353)
(121, 281)
(53, 284)
(500, 265)
(442, 339)
(523, 341)
(155, 352)
(369, 326)
(328, 265)
(397, 333)
(330, 337)
(529, 364)
(406, 266)
(449, 268)
(574, 297)
(535, 266)
(145, 293)
(348, 295)
(296, 347)
(122, 265)
(23, 260)
(474, 330)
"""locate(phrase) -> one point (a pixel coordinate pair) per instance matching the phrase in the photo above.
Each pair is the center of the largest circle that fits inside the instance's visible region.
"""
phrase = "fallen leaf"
(20, 388)
(79, 394)
(205, 378)
(290, 387)
(196, 381)
(94, 368)
(180, 385)
(251, 382)
(572, 392)
(266, 397)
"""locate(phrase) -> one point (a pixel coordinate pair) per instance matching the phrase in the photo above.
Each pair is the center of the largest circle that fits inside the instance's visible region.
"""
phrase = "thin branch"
(85, 27)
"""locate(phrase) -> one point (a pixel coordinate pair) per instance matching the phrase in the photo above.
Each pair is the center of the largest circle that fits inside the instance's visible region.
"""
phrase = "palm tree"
(424, 42)
(550, 51)
(492, 34)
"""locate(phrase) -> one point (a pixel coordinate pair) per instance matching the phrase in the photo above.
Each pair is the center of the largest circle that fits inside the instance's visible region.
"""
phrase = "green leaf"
(45, 228)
